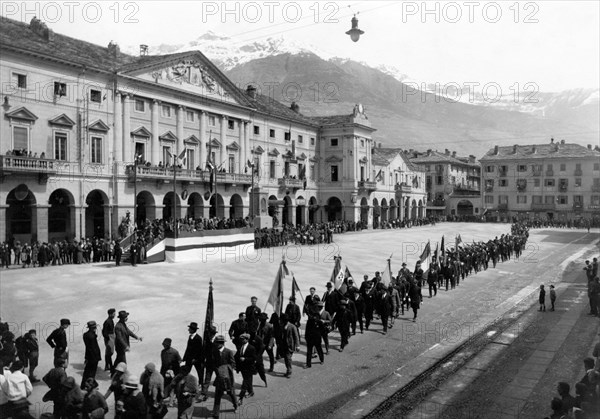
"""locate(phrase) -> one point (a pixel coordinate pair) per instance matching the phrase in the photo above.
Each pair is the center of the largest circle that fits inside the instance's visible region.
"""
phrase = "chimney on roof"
(589, 146)
(447, 152)
(454, 154)
(515, 149)
(143, 50)
(562, 141)
(379, 145)
(251, 91)
(429, 152)
(113, 49)
(534, 149)
(495, 150)
(295, 107)
(556, 147)
(551, 140)
(472, 158)
(597, 148)
(41, 29)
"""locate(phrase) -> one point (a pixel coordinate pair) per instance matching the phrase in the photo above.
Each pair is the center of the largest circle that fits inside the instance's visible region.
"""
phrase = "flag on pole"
(210, 313)
(443, 251)
(295, 287)
(276, 296)
(344, 286)
(458, 240)
(436, 253)
(337, 276)
(182, 158)
(424, 258)
(386, 277)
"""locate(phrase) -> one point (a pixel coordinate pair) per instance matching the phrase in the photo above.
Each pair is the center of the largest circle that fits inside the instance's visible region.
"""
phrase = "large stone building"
(453, 182)
(87, 134)
(556, 180)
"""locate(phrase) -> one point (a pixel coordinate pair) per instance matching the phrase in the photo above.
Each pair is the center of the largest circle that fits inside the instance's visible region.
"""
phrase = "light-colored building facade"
(88, 134)
(453, 182)
(556, 180)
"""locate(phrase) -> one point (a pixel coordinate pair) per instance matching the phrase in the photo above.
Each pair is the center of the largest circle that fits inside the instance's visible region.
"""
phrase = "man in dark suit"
(252, 316)
(92, 352)
(224, 363)
(293, 312)
(331, 299)
(194, 354)
(58, 341)
(108, 333)
(245, 362)
(238, 327)
(385, 306)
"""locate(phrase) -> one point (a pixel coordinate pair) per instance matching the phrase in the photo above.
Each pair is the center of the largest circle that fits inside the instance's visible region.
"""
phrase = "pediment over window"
(141, 132)
(192, 140)
(333, 159)
(98, 125)
(274, 152)
(214, 143)
(62, 120)
(233, 146)
(23, 114)
(364, 160)
(313, 159)
(168, 136)
(258, 150)
(288, 155)
(301, 157)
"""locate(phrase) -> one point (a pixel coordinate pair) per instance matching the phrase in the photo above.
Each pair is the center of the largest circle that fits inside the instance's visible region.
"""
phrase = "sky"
(552, 44)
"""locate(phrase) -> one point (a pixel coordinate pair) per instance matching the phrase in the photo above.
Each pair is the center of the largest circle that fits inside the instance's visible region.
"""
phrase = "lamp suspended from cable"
(355, 33)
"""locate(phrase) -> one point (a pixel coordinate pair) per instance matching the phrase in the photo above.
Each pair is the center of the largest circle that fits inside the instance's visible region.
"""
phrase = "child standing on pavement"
(552, 296)
(542, 298)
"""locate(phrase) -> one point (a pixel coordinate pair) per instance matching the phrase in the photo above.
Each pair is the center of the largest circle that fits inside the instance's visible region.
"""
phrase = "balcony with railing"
(594, 207)
(436, 204)
(577, 206)
(466, 190)
(367, 185)
(290, 183)
(578, 172)
(536, 173)
(403, 188)
(549, 173)
(43, 168)
(186, 175)
(543, 206)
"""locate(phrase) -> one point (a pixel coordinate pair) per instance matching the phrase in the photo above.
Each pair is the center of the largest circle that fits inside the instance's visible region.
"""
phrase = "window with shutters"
(60, 146)
(20, 138)
(96, 150)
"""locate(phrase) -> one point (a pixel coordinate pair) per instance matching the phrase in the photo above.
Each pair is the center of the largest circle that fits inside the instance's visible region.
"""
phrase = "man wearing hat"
(224, 363)
(310, 302)
(245, 363)
(342, 320)
(134, 402)
(58, 341)
(292, 310)
(330, 299)
(108, 333)
(122, 335)
(252, 315)
(266, 333)
(194, 351)
(209, 367)
(92, 352)
(326, 324)
(169, 360)
(291, 343)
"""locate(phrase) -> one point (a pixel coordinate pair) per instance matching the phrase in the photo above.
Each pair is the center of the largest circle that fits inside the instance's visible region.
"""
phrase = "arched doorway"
(61, 216)
(168, 206)
(300, 211)
(413, 211)
(407, 209)
(364, 212)
(145, 208)
(376, 213)
(384, 210)
(20, 215)
(312, 209)
(236, 207)
(95, 213)
(334, 209)
(464, 207)
(195, 208)
(217, 206)
(286, 213)
(421, 214)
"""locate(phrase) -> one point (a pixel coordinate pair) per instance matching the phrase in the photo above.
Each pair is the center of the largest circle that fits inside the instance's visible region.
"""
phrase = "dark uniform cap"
(65, 321)
(220, 338)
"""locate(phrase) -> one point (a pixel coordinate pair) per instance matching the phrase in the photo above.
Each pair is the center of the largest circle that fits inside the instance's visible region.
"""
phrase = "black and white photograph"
(300, 209)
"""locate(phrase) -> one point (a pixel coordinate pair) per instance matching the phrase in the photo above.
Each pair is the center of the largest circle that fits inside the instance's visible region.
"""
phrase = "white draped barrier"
(211, 245)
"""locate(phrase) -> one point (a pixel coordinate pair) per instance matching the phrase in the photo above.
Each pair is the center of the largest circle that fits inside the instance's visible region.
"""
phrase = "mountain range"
(406, 112)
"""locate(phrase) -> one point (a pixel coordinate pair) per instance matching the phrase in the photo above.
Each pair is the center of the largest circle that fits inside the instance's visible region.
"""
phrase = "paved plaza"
(163, 298)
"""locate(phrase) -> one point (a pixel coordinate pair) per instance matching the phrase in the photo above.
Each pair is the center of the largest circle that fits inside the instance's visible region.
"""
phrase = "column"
(246, 152)
(202, 137)
(322, 175)
(179, 133)
(241, 161)
(107, 220)
(3, 222)
(154, 141)
(118, 129)
(223, 140)
(42, 222)
(127, 154)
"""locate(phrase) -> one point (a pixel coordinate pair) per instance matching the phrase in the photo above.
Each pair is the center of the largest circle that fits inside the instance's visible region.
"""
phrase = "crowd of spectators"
(23, 152)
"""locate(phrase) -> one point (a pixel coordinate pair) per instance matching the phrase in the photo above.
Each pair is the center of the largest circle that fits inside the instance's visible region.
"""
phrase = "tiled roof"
(383, 156)
(20, 37)
(542, 151)
(334, 119)
(437, 157)
(270, 106)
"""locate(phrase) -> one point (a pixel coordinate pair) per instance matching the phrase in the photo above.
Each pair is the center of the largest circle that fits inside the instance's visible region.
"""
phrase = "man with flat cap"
(122, 335)
(108, 333)
(58, 341)
(245, 363)
(92, 352)
(194, 351)
(169, 359)
(293, 312)
(224, 363)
